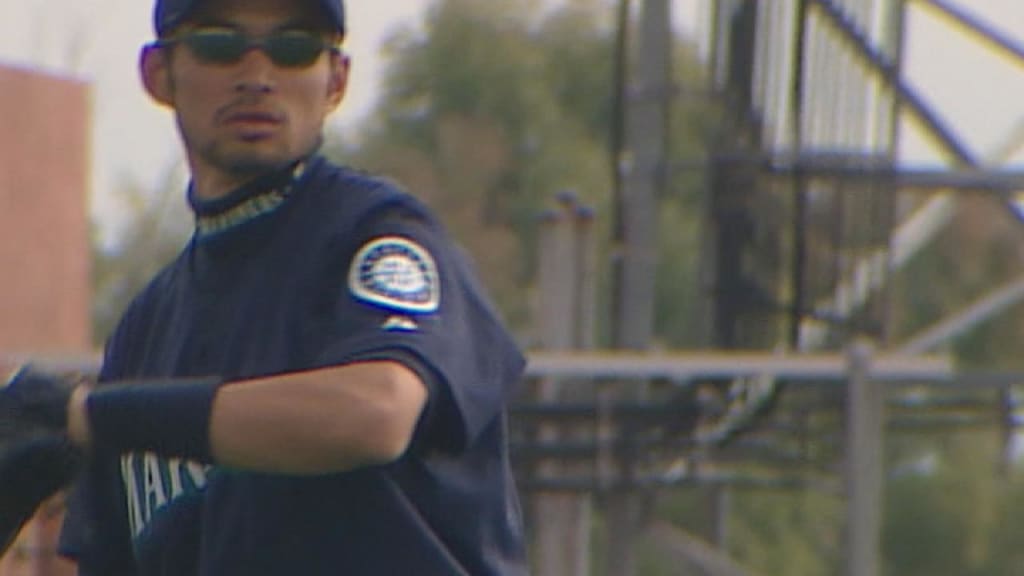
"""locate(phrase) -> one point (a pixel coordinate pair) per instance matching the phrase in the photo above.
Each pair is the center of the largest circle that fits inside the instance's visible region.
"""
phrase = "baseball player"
(316, 385)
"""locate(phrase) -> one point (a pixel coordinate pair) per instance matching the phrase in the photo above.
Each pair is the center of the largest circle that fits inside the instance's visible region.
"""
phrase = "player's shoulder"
(164, 285)
(137, 317)
(348, 194)
(345, 187)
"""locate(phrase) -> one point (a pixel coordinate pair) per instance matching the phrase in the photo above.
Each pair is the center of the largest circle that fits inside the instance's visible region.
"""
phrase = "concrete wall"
(44, 228)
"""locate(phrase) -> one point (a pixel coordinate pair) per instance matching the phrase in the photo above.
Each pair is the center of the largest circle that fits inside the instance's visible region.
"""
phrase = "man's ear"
(155, 69)
(337, 84)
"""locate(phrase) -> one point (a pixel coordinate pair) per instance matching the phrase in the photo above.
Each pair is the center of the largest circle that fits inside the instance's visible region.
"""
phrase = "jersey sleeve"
(406, 293)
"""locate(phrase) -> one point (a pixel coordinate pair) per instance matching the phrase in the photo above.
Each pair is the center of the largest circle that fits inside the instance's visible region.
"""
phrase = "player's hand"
(33, 402)
(31, 471)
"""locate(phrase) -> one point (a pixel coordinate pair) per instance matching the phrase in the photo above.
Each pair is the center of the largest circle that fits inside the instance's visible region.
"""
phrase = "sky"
(979, 92)
(97, 41)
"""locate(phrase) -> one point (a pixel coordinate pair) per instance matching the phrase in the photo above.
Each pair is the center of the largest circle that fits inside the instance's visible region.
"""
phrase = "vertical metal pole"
(586, 331)
(895, 45)
(800, 209)
(617, 133)
(643, 171)
(643, 166)
(555, 512)
(865, 421)
(562, 530)
(587, 273)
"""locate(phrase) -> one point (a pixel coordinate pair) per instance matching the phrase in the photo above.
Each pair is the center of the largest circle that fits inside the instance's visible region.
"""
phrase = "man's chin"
(252, 163)
(252, 158)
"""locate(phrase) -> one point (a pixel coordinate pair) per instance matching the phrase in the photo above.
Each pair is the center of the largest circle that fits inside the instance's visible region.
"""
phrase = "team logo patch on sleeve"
(396, 273)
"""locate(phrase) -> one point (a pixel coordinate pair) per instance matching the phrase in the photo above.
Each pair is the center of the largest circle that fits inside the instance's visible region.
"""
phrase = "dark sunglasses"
(287, 48)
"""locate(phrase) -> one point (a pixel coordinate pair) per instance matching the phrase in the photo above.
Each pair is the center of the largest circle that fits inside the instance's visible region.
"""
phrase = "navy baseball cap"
(170, 13)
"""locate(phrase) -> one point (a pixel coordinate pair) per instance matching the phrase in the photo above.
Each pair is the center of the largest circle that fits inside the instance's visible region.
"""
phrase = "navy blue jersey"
(312, 271)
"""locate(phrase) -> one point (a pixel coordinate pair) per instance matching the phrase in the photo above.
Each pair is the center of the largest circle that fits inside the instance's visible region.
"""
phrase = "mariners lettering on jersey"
(396, 273)
(152, 483)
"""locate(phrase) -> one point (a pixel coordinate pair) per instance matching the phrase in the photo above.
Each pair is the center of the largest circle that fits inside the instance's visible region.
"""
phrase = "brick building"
(44, 251)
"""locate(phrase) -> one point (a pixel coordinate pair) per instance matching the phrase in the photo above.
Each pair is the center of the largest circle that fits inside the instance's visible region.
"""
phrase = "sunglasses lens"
(294, 49)
(216, 46)
(289, 49)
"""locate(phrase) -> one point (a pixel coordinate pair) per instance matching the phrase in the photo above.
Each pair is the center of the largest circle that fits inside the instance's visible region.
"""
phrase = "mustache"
(249, 105)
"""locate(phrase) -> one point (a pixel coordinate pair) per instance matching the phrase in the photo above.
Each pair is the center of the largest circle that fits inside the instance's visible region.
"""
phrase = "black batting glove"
(33, 402)
(32, 471)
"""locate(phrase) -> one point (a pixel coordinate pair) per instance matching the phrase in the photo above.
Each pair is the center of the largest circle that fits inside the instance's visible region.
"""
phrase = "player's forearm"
(328, 420)
(315, 422)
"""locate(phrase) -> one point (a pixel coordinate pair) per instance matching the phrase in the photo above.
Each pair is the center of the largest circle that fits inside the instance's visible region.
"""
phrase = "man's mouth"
(264, 119)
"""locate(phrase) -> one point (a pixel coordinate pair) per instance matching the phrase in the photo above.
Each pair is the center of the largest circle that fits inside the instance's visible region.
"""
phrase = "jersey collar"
(249, 202)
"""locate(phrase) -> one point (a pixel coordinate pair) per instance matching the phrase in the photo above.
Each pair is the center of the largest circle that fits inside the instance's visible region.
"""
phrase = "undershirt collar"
(249, 202)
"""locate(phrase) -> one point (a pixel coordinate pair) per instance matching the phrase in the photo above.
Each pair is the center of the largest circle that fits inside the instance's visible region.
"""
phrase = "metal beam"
(935, 370)
(855, 168)
(1005, 44)
(980, 311)
(686, 366)
(585, 483)
(875, 168)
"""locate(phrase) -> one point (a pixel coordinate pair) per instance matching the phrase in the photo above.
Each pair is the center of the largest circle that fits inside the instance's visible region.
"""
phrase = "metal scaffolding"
(810, 216)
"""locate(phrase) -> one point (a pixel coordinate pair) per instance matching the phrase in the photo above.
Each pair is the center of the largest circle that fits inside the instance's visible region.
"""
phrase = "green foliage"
(958, 515)
(977, 253)
(791, 533)
(486, 117)
(500, 105)
(919, 539)
(1007, 533)
(944, 518)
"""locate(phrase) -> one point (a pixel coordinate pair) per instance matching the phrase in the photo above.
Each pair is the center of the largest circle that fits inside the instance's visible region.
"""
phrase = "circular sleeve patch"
(395, 273)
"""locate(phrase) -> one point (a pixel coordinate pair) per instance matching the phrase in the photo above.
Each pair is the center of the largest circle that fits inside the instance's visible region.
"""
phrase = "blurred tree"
(156, 226)
(478, 119)
(792, 533)
(943, 514)
(1008, 532)
(498, 106)
(955, 514)
(979, 251)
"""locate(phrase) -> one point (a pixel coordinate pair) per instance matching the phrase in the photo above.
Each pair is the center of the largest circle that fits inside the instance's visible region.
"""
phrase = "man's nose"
(255, 72)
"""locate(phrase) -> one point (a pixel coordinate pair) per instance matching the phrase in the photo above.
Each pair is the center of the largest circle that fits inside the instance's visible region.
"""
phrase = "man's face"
(244, 118)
